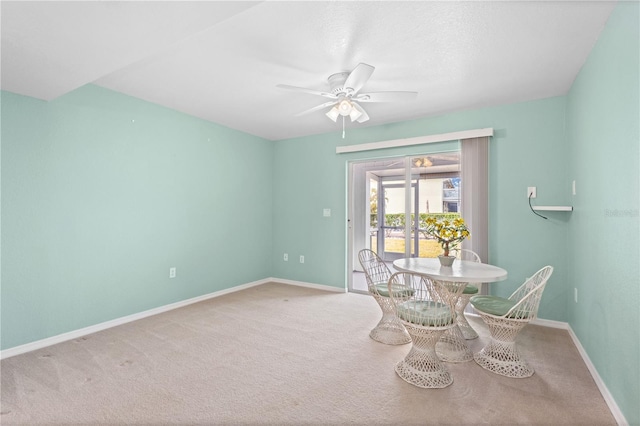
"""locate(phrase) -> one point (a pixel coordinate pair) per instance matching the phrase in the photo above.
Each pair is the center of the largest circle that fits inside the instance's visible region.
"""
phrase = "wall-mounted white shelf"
(554, 208)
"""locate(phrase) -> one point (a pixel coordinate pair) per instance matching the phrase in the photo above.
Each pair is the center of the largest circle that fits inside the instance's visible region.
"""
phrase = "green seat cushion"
(423, 312)
(495, 305)
(398, 290)
(470, 289)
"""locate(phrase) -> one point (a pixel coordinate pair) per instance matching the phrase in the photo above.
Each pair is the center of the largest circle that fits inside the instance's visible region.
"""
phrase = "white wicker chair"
(465, 328)
(505, 318)
(426, 309)
(389, 330)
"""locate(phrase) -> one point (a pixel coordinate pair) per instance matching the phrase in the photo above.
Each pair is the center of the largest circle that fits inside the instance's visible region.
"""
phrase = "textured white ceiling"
(221, 61)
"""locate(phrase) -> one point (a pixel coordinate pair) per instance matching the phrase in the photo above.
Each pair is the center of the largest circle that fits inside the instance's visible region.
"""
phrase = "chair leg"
(467, 331)
(390, 329)
(421, 366)
(501, 355)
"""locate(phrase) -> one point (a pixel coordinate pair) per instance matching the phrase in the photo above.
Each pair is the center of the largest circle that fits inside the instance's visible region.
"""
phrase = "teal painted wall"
(603, 122)
(528, 149)
(97, 207)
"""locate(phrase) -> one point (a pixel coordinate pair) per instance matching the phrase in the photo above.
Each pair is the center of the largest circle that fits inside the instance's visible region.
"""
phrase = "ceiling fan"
(345, 98)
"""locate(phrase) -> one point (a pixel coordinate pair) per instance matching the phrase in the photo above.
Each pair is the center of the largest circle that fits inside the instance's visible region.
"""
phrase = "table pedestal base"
(467, 331)
(452, 347)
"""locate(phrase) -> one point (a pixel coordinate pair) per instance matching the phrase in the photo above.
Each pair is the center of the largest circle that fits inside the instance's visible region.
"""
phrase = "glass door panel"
(392, 238)
(437, 177)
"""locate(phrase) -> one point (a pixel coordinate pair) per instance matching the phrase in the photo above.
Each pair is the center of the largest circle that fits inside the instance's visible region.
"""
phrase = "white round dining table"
(461, 270)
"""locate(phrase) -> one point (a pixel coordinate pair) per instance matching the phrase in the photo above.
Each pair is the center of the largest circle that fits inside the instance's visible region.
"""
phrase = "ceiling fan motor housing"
(336, 83)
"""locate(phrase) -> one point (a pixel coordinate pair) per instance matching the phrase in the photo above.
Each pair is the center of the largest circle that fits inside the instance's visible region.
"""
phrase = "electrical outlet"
(286, 257)
(172, 272)
(301, 259)
(531, 192)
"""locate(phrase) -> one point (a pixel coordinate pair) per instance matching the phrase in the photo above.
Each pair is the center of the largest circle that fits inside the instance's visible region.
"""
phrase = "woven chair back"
(529, 294)
(470, 255)
(375, 270)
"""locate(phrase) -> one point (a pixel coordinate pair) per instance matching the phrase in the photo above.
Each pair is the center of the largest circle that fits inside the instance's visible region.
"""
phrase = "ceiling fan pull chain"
(343, 127)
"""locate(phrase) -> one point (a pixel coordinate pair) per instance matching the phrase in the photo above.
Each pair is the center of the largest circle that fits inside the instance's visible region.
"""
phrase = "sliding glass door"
(390, 200)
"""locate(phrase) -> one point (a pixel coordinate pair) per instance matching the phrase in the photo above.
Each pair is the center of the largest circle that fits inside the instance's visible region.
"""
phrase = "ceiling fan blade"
(386, 97)
(358, 77)
(316, 108)
(304, 90)
(364, 116)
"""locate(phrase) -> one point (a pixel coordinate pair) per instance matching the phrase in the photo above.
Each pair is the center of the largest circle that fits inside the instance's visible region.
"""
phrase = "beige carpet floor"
(279, 354)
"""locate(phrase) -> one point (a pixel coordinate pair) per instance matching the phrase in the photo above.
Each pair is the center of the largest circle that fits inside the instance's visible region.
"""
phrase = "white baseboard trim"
(49, 341)
(608, 398)
(310, 285)
(551, 323)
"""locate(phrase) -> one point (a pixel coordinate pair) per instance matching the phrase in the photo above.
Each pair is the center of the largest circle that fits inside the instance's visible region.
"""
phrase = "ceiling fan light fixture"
(345, 107)
(354, 114)
(333, 113)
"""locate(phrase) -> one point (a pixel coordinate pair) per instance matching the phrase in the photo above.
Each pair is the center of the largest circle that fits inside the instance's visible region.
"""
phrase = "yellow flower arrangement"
(449, 233)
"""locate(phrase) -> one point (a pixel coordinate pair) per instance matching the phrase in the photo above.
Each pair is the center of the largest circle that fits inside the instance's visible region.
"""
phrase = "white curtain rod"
(443, 137)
